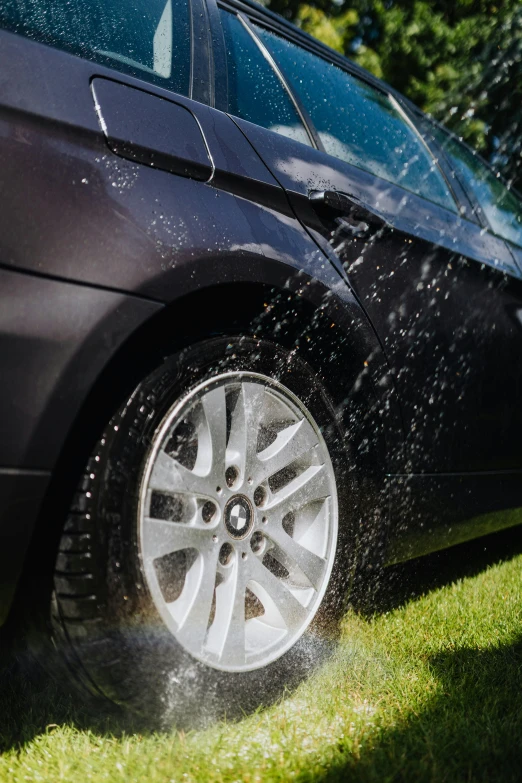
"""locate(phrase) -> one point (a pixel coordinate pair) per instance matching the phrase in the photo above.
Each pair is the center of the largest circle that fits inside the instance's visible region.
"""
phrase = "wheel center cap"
(239, 516)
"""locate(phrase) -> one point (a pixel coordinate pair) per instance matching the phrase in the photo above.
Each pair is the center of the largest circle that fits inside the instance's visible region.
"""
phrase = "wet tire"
(108, 618)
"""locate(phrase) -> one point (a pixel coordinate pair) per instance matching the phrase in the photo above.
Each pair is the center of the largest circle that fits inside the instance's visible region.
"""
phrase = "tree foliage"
(459, 60)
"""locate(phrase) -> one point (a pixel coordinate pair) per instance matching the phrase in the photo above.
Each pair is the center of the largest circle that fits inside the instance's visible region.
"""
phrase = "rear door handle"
(353, 217)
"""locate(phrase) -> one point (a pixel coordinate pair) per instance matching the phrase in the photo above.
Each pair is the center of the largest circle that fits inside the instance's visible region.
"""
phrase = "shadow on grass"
(31, 704)
(472, 730)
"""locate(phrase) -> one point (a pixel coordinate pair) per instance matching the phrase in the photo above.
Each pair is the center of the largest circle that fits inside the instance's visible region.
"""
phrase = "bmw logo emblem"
(238, 516)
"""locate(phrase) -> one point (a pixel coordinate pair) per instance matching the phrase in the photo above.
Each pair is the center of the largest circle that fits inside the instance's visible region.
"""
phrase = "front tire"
(210, 545)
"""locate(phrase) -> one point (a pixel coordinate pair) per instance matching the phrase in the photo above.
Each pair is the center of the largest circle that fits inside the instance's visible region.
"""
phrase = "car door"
(441, 292)
(436, 287)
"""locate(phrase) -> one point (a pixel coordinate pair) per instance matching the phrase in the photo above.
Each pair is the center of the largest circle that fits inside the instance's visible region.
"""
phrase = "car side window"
(502, 207)
(255, 93)
(149, 39)
(359, 124)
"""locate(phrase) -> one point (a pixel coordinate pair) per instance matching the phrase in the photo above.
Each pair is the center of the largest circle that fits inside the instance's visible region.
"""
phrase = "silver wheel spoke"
(242, 444)
(227, 634)
(312, 484)
(164, 538)
(168, 475)
(275, 595)
(193, 628)
(290, 444)
(310, 564)
(214, 407)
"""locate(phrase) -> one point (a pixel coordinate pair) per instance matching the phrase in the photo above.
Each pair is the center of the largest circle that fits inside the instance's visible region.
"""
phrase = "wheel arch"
(331, 333)
(329, 329)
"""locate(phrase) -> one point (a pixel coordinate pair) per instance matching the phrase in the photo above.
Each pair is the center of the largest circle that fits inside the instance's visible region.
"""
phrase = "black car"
(260, 330)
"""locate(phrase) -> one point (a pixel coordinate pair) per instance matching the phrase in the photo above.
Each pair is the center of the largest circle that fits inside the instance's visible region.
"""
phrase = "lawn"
(429, 689)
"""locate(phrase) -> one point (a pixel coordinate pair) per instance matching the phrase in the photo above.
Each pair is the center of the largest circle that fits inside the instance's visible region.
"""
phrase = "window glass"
(149, 39)
(255, 93)
(502, 207)
(359, 124)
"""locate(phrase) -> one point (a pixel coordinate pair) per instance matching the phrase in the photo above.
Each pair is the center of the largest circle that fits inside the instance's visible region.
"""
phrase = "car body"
(146, 205)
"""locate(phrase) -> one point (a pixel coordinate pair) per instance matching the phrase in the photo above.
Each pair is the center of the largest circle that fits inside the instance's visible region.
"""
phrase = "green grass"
(430, 691)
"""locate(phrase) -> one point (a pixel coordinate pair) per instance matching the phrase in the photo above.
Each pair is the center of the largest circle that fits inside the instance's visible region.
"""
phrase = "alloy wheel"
(238, 520)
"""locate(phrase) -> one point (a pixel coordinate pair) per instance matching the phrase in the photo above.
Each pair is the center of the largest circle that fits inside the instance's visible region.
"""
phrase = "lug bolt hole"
(259, 496)
(208, 511)
(226, 554)
(257, 543)
(231, 475)
(244, 555)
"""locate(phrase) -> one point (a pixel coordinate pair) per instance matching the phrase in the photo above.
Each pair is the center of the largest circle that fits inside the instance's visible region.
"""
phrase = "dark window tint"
(149, 39)
(359, 124)
(502, 207)
(255, 93)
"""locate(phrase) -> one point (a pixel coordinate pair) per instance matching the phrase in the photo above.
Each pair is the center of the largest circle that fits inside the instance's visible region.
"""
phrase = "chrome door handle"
(353, 212)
